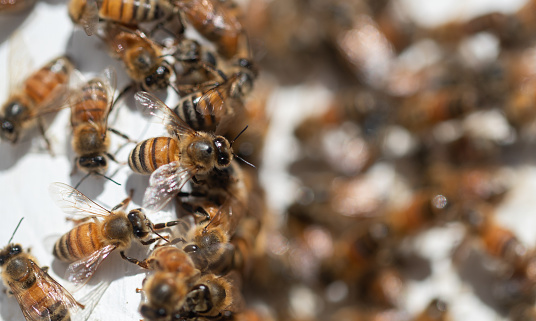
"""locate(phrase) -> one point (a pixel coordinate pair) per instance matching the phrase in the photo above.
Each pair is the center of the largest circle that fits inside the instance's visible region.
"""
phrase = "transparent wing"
(73, 202)
(165, 183)
(109, 80)
(151, 105)
(90, 301)
(214, 101)
(81, 271)
(49, 293)
(19, 60)
(90, 17)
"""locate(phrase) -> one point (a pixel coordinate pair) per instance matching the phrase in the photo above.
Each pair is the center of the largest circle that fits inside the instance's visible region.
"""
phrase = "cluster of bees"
(399, 149)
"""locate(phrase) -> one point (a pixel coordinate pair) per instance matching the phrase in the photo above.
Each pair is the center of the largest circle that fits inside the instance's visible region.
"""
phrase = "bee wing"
(151, 105)
(90, 17)
(19, 60)
(81, 271)
(212, 102)
(164, 184)
(90, 301)
(31, 305)
(73, 202)
(109, 79)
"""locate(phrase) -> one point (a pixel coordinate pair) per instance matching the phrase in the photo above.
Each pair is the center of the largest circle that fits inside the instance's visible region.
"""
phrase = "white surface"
(27, 170)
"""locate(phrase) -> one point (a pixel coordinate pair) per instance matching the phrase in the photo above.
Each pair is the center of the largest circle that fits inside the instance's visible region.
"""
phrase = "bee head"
(224, 153)
(159, 79)
(94, 163)
(8, 130)
(140, 224)
(10, 251)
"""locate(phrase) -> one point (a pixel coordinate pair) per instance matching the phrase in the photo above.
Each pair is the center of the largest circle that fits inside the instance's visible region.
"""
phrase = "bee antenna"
(234, 139)
(108, 178)
(16, 228)
(80, 182)
(245, 161)
(160, 236)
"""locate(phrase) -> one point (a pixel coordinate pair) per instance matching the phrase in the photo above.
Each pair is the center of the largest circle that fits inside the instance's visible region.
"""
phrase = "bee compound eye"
(191, 248)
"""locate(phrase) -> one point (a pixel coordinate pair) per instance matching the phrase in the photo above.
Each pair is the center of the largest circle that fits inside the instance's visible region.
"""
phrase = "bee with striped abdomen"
(39, 94)
(89, 243)
(197, 152)
(86, 13)
(40, 297)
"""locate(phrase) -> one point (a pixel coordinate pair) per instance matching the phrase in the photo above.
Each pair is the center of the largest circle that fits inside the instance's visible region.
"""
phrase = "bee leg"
(177, 240)
(160, 226)
(143, 264)
(122, 93)
(75, 168)
(198, 181)
(122, 205)
(42, 131)
(45, 269)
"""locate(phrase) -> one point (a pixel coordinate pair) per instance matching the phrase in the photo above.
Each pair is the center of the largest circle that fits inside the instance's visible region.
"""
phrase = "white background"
(26, 170)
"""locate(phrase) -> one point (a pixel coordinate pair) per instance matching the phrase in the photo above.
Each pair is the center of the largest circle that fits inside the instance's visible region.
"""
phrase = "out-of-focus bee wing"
(213, 100)
(54, 292)
(81, 271)
(19, 62)
(90, 301)
(73, 202)
(164, 184)
(90, 17)
(151, 105)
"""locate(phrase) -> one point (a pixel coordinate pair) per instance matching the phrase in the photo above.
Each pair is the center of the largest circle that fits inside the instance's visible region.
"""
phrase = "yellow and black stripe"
(131, 12)
(78, 243)
(152, 153)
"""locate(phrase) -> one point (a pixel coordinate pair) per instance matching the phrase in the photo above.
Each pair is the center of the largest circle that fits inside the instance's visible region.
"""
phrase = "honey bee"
(198, 153)
(142, 57)
(205, 110)
(208, 298)
(88, 244)
(86, 13)
(215, 21)
(198, 64)
(38, 95)
(39, 296)
(91, 104)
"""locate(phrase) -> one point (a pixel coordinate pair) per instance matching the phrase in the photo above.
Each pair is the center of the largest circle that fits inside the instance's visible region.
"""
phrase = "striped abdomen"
(152, 153)
(80, 242)
(187, 111)
(35, 299)
(46, 83)
(131, 12)
(91, 104)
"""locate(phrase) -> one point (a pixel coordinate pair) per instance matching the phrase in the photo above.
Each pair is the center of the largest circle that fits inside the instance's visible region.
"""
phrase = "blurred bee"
(205, 110)
(217, 21)
(88, 244)
(39, 296)
(39, 94)
(198, 64)
(429, 108)
(12, 6)
(91, 103)
(437, 310)
(198, 153)
(86, 13)
(208, 298)
(142, 57)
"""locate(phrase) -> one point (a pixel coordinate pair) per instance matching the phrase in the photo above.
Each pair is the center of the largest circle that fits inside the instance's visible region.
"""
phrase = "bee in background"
(40, 297)
(89, 243)
(86, 13)
(91, 103)
(143, 58)
(15, 6)
(38, 95)
(208, 298)
(197, 63)
(207, 109)
(437, 310)
(198, 153)
(218, 22)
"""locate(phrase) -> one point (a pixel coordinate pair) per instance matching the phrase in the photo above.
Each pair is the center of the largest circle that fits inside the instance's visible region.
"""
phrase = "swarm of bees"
(391, 155)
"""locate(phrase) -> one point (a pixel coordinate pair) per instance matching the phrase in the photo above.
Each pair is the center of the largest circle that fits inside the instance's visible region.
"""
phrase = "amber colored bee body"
(152, 153)
(127, 12)
(39, 92)
(215, 22)
(90, 107)
(437, 310)
(141, 56)
(89, 243)
(209, 297)
(40, 297)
